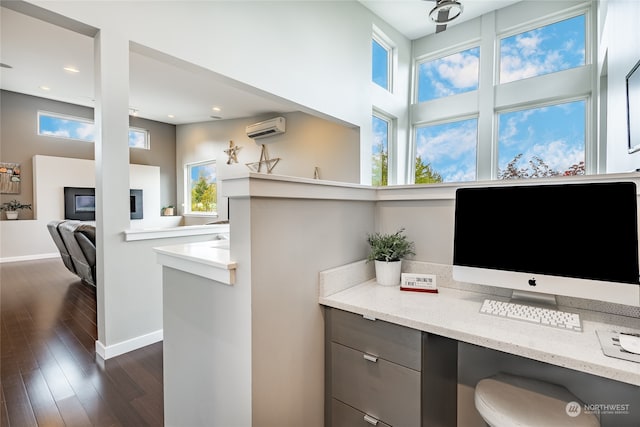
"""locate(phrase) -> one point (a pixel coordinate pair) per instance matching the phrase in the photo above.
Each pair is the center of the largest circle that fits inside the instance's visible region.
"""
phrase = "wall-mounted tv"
(80, 203)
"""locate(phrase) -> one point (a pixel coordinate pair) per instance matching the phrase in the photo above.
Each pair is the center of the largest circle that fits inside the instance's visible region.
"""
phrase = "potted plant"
(167, 210)
(387, 251)
(13, 207)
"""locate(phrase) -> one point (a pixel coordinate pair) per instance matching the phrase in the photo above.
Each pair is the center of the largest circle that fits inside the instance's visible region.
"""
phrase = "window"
(138, 138)
(202, 190)
(60, 126)
(544, 50)
(449, 75)
(446, 152)
(542, 142)
(380, 150)
(531, 94)
(381, 61)
(69, 127)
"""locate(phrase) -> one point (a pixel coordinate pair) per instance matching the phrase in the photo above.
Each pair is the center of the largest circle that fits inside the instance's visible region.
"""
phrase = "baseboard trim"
(107, 352)
(29, 257)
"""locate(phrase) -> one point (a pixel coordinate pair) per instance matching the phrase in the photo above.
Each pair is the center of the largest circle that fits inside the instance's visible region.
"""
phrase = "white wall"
(621, 43)
(311, 53)
(308, 142)
(29, 239)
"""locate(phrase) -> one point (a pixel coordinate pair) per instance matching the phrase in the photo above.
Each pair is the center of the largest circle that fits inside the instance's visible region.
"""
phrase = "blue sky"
(208, 170)
(62, 127)
(556, 134)
(66, 128)
(380, 71)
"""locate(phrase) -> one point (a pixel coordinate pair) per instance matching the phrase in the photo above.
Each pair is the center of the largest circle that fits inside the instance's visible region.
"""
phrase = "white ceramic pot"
(388, 273)
(11, 214)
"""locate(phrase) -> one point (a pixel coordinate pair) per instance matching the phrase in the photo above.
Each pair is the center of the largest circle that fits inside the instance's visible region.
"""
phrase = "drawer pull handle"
(371, 420)
(370, 358)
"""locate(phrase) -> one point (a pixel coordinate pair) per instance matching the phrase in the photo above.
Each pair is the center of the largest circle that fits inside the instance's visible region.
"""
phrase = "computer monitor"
(578, 240)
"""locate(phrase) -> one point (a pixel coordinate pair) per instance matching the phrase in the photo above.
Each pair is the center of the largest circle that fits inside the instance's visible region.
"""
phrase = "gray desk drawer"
(345, 416)
(391, 342)
(387, 391)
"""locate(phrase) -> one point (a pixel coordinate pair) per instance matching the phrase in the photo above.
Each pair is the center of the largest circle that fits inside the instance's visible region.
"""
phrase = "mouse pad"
(610, 343)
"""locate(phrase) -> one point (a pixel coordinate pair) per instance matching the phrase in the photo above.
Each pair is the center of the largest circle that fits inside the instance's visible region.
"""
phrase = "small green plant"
(389, 247)
(14, 205)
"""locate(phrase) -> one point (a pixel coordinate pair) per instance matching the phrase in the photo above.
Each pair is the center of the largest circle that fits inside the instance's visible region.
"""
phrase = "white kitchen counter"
(209, 259)
(454, 313)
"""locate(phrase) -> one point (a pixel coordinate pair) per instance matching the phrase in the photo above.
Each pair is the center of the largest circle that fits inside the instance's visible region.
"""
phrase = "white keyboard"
(528, 313)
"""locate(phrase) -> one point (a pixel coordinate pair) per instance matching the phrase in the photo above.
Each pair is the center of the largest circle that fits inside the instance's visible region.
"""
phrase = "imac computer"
(578, 240)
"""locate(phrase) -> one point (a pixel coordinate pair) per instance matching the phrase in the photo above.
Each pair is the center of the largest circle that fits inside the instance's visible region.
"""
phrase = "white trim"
(390, 47)
(128, 345)
(186, 207)
(29, 257)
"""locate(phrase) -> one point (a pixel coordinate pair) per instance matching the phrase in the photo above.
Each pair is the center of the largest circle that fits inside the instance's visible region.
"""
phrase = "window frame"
(533, 106)
(450, 120)
(443, 53)
(187, 188)
(390, 121)
(540, 23)
(385, 42)
(147, 138)
(69, 117)
(493, 98)
(61, 116)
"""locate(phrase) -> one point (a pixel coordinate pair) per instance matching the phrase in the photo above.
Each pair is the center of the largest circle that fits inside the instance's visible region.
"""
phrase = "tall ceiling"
(162, 88)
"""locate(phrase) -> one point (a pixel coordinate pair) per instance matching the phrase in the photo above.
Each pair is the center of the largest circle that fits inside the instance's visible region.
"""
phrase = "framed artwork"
(633, 108)
(9, 178)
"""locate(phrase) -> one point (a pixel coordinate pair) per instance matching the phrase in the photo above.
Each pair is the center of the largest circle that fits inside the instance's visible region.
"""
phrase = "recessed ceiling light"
(71, 69)
(171, 116)
(216, 109)
(3, 65)
(133, 112)
(47, 88)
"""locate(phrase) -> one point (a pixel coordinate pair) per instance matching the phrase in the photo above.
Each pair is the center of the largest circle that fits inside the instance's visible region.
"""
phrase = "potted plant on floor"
(387, 251)
(12, 208)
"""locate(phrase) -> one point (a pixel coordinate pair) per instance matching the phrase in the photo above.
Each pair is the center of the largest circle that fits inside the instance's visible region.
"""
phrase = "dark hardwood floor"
(50, 375)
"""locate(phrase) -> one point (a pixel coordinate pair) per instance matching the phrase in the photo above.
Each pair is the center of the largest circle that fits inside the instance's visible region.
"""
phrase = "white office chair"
(505, 400)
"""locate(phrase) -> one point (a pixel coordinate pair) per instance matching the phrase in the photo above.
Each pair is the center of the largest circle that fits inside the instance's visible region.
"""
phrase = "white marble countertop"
(455, 314)
(177, 231)
(210, 259)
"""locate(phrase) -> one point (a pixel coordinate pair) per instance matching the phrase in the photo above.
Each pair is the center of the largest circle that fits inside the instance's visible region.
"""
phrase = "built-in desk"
(454, 313)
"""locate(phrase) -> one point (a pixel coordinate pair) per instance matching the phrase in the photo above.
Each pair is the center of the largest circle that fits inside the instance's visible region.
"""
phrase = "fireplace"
(80, 203)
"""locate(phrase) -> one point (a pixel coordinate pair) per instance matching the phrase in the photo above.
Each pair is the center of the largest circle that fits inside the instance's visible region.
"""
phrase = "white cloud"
(61, 133)
(86, 131)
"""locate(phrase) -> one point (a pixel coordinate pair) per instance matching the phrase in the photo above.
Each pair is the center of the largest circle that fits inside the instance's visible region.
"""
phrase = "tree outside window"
(203, 191)
(446, 152)
(380, 151)
(542, 142)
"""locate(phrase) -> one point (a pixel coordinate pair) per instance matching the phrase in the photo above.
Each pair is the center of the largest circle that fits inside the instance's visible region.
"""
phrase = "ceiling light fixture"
(47, 88)
(441, 14)
(445, 12)
(71, 69)
(171, 116)
(133, 112)
(216, 108)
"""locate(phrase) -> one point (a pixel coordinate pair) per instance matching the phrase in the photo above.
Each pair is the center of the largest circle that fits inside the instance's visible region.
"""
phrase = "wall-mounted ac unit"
(266, 128)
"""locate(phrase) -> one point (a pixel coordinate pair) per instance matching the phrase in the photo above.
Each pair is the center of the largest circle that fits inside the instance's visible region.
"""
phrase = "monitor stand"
(526, 297)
